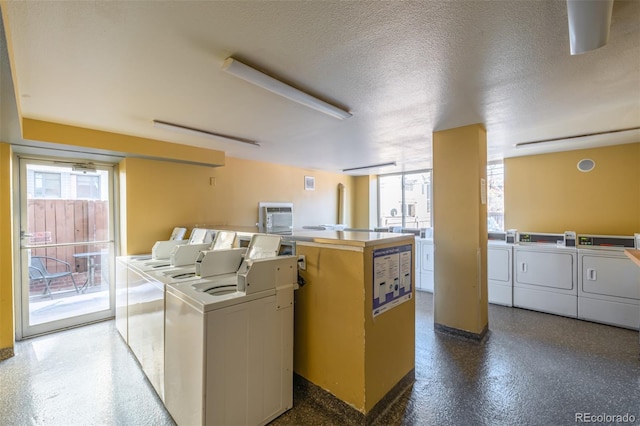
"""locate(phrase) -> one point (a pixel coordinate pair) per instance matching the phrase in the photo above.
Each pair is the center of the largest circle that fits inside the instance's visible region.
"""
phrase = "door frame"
(19, 188)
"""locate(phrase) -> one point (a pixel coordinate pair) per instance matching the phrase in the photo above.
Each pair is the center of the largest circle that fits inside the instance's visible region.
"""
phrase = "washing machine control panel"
(525, 237)
(585, 241)
(605, 241)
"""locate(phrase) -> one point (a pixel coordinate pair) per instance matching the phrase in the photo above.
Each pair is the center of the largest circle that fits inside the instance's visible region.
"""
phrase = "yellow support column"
(6, 256)
(460, 231)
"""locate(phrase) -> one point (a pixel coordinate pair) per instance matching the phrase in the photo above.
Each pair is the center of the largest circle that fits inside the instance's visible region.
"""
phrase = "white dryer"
(546, 273)
(609, 282)
(499, 269)
(425, 274)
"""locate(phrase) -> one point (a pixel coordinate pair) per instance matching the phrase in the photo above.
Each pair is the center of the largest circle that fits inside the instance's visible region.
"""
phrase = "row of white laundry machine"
(211, 324)
(580, 276)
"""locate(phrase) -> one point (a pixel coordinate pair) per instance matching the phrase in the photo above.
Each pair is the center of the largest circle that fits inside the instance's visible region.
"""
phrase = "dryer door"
(610, 276)
(545, 269)
(499, 264)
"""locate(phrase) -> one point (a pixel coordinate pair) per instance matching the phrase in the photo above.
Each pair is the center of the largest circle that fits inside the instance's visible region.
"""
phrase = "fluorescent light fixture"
(589, 22)
(392, 163)
(199, 132)
(260, 79)
(566, 138)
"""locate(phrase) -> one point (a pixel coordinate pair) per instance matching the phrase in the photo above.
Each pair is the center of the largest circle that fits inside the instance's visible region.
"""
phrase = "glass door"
(66, 245)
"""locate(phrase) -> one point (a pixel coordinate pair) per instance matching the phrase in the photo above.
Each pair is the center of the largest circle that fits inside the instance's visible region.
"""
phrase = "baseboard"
(342, 410)
(464, 334)
(390, 398)
(6, 353)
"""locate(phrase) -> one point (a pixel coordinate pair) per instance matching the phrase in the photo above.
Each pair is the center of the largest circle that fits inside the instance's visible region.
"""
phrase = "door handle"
(591, 274)
(523, 267)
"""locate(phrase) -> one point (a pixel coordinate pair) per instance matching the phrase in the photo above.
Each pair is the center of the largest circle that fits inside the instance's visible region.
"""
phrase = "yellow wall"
(389, 337)
(6, 249)
(361, 202)
(114, 142)
(365, 202)
(547, 193)
(339, 346)
(329, 341)
(241, 184)
(158, 195)
(460, 229)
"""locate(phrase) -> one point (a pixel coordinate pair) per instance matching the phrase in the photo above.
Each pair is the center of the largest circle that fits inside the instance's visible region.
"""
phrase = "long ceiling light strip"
(566, 138)
(589, 23)
(260, 79)
(199, 132)
(392, 163)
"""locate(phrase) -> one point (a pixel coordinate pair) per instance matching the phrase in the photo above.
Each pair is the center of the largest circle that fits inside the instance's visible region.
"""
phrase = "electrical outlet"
(302, 262)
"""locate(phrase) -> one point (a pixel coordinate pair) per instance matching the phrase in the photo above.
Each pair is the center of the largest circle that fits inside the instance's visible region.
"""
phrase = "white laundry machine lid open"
(208, 295)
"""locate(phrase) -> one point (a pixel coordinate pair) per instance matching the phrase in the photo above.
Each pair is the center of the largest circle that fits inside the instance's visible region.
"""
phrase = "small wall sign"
(309, 183)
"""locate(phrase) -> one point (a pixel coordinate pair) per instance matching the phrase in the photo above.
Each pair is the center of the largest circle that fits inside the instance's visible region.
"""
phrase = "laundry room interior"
(366, 247)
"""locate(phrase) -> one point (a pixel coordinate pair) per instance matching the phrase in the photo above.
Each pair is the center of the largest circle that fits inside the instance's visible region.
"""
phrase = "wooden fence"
(67, 221)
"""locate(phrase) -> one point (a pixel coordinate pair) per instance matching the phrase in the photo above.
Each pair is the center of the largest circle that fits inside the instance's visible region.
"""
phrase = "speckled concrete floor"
(533, 369)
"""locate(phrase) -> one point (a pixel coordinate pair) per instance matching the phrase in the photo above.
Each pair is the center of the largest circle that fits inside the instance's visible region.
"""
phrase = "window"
(88, 187)
(47, 185)
(405, 200)
(495, 197)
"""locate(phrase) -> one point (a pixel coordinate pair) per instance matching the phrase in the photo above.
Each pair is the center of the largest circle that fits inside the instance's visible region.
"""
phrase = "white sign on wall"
(392, 270)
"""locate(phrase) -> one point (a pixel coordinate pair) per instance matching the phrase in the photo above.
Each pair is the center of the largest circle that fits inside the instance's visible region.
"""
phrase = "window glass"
(417, 199)
(405, 200)
(390, 201)
(495, 197)
(47, 185)
(88, 187)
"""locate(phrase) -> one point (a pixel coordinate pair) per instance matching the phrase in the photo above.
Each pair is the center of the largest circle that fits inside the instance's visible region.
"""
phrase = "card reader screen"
(585, 241)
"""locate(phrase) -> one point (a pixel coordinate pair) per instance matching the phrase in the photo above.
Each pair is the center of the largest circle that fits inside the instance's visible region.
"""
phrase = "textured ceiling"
(405, 69)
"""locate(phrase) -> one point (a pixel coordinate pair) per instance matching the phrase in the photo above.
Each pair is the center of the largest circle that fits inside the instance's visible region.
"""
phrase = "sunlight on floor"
(70, 304)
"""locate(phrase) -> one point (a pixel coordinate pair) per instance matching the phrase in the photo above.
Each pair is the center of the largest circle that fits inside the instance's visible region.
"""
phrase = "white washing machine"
(545, 276)
(183, 253)
(499, 269)
(229, 345)
(145, 281)
(609, 282)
